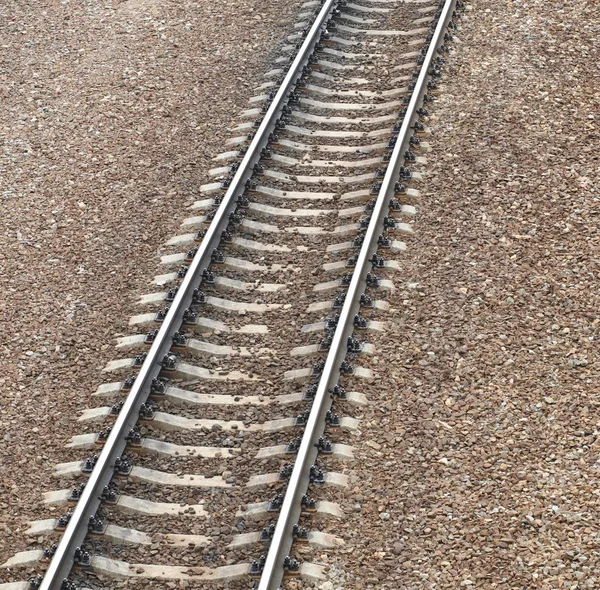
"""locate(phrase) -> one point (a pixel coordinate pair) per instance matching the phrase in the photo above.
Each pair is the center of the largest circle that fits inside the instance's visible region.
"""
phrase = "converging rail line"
(317, 185)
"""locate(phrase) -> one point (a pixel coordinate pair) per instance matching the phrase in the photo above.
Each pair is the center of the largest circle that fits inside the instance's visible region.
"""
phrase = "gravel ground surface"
(111, 114)
(477, 461)
(479, 458)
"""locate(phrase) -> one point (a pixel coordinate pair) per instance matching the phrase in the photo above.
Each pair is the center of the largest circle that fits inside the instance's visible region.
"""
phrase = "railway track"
(219, 445)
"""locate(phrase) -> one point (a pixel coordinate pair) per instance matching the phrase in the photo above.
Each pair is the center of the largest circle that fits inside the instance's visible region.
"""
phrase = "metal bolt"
(332, 419)
(275, 504)
(308, 504)
(138, 361)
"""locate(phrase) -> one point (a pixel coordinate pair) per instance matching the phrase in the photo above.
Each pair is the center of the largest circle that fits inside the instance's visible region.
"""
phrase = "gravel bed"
(478, 464)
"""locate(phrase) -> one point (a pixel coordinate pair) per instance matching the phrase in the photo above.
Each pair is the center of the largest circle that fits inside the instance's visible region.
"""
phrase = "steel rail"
(273, 570)
(89, 501)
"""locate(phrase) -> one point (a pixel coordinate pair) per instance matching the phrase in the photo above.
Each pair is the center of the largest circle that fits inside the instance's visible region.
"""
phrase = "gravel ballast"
(476, 462)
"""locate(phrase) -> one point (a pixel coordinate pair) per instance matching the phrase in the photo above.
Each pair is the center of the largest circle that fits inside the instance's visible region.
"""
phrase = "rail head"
(90, 499)
(273, 570)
